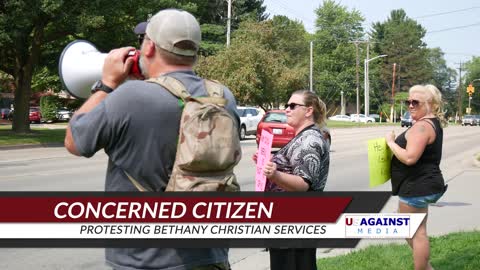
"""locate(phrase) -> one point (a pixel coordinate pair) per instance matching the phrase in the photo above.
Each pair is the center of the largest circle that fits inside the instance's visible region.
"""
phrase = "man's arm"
(91, 103)
(115, 70)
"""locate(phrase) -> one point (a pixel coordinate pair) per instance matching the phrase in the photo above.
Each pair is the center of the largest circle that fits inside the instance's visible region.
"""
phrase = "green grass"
(450, 252)
(36, 136)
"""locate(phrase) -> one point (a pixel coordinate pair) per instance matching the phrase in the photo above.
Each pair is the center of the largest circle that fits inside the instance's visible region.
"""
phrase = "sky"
(452, 25)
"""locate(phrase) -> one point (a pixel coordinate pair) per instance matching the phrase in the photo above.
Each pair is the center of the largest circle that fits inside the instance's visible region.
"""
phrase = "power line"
(463, 54)
(284, 5)
(453, 28)
(444, 13)
(281, 5)
(439, 14)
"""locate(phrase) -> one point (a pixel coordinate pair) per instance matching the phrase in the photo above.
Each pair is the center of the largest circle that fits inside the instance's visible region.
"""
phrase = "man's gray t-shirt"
(138, 125)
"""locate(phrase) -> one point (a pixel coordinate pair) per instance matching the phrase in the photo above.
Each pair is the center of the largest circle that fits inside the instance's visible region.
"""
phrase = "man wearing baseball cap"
(137, 122)
(139, 30)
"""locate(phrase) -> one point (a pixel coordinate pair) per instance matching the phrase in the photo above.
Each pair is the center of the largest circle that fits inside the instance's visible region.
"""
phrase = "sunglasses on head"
(412, 102)
(292, 106)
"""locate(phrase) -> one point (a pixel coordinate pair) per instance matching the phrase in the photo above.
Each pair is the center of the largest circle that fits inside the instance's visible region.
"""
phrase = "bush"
(48, 107)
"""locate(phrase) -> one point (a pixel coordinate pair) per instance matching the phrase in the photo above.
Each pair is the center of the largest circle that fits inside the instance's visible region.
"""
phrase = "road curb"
(29, 146)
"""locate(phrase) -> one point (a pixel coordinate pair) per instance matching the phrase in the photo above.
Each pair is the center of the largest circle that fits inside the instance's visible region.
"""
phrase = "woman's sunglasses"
(412, 102)
(292, 106)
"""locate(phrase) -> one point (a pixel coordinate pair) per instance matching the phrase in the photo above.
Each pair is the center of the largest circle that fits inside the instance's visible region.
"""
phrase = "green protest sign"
(379, 159)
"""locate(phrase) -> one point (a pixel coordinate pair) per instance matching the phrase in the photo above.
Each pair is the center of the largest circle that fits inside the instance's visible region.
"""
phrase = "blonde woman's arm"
(417, 139)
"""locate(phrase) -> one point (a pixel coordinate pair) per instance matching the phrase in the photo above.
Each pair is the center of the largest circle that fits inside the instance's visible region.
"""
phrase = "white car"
(361, 118)
(249, 119)
(64, 114)
(340, 117)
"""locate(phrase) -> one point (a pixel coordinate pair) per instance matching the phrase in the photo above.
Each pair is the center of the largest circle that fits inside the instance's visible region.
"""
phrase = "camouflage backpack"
(208, 146)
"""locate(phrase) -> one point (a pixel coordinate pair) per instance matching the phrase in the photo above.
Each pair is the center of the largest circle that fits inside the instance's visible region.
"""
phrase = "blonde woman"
(416, 175)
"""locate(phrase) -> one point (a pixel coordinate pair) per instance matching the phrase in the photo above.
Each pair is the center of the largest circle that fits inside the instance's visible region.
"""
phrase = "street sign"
(468, 110)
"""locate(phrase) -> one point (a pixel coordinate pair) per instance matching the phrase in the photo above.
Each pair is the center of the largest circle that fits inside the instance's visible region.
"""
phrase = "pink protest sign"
(263, 156)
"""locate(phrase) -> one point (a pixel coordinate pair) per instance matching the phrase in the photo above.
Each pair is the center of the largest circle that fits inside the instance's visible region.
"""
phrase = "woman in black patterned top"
(301, 165)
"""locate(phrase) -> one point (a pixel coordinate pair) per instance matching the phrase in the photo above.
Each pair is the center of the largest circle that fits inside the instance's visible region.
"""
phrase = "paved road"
(53, 169)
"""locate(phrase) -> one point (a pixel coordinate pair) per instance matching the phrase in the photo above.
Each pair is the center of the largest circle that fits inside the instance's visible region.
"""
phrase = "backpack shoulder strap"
(214, 88)
(136, 183)
(215, 92)
(173, 86)
(176, 87)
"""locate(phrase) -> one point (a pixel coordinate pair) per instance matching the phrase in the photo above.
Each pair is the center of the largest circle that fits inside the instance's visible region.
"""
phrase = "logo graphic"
(377, 226)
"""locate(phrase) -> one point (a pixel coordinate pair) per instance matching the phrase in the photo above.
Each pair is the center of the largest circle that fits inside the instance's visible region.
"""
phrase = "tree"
(48, 107)
(400, 37)
(334, 54)
(34, 32)
(442, 76)
(473, 73)
(256, 69)
(215, 11)
(212, 15)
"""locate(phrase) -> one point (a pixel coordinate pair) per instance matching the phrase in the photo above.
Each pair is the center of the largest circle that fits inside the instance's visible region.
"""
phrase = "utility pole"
(311, 66)
(399, 89)
(398, 80)
(356, 76)
(356, 42)
(342, 104)
(229, 18)
(367, 83)
(392, 116)
(460, 92)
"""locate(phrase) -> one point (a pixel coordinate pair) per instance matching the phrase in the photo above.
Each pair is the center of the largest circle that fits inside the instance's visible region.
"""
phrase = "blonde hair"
(433, 97)
(319, 107)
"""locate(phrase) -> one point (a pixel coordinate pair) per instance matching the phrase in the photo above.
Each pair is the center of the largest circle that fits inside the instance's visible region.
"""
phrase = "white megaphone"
(81, 65)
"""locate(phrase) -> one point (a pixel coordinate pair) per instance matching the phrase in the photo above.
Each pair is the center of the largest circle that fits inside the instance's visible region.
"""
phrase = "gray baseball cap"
(170, 26)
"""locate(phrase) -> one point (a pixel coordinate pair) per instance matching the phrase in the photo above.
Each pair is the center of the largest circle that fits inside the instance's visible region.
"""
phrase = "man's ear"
(149, 47)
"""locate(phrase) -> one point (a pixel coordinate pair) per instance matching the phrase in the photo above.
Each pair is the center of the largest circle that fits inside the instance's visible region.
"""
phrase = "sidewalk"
(458, 210)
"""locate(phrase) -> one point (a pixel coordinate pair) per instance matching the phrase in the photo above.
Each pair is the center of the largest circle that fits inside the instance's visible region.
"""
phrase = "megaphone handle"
(135, 70)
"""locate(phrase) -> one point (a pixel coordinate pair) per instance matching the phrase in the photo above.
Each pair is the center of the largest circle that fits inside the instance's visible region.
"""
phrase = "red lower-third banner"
(244, 219)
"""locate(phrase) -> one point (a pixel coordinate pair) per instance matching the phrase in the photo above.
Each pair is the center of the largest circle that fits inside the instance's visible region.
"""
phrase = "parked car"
(361, 118)
(340, 117)
(34, 115)
(469, 120)
(249, 119)
(406, 120)
(477, 119)
(64, 114)
(375, 116)
(275, 121)
(4, 113)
